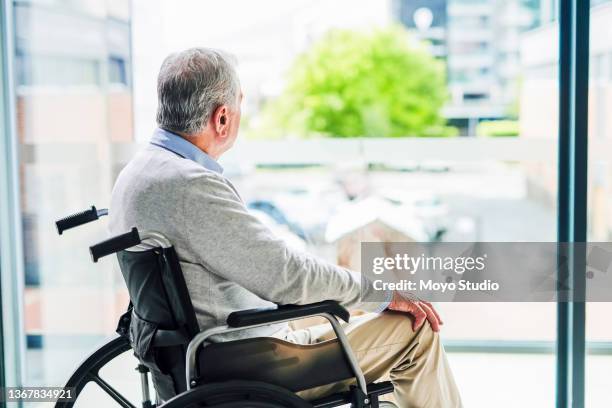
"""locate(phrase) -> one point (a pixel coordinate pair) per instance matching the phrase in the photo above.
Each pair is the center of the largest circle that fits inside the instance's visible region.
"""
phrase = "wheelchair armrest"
(280, 313)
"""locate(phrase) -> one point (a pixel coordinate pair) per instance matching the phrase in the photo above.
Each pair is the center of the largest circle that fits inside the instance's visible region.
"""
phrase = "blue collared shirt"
(185, 149)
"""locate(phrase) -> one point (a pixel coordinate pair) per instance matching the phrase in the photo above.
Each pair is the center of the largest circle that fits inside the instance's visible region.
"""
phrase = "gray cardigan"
(230, 260)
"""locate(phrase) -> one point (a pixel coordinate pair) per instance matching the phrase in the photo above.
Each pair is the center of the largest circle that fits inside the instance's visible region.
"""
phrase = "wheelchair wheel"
(237, 394)
(88, 371)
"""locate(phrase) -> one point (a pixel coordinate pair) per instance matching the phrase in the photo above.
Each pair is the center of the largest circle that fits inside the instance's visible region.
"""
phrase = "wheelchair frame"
(360, 396)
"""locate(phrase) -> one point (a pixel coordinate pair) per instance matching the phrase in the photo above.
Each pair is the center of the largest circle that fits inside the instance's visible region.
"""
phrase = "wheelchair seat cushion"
(292, 366)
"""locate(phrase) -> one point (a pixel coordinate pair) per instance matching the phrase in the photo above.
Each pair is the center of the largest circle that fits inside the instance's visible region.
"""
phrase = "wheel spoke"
(113, 393)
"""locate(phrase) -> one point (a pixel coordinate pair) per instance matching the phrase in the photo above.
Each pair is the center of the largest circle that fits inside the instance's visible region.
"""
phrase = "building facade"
(479, 39)
(539, 112)
(72, 64)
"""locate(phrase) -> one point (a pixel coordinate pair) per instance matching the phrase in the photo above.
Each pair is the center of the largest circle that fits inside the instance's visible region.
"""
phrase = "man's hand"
(420, 309)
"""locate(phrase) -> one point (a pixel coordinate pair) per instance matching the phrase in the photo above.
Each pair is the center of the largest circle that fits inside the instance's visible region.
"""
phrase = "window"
(36, 70)
(117, 73)
(459, 191)
(474, 97)
(599, 200)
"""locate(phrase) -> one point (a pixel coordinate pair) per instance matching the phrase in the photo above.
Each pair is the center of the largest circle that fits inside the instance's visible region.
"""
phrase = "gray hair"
(191, 85)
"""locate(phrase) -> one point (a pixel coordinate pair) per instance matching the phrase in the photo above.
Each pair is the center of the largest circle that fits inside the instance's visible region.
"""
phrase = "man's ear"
(220, 121)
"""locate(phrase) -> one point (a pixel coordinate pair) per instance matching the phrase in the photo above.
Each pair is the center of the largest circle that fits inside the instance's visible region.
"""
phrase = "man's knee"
(401, 326)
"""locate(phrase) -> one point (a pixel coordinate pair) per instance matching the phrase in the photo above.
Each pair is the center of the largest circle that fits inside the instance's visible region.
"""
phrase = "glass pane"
(598, 331)
(481, 166)
(68, 54)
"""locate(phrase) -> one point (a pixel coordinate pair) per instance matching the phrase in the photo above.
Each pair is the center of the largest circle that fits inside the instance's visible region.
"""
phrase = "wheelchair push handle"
(80, 218)
(115, 244)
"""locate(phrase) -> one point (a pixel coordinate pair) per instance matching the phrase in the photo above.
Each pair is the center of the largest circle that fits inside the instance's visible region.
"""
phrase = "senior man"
(232, 262)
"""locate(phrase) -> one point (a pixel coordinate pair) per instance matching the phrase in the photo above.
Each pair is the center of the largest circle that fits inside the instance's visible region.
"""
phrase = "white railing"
(331, 151)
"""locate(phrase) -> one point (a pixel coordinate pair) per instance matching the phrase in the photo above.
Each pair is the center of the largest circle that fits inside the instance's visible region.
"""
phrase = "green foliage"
(350, 84)
(498, 128)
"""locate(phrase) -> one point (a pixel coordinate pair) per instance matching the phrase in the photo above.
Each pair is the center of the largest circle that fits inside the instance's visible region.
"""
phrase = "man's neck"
(202, 142)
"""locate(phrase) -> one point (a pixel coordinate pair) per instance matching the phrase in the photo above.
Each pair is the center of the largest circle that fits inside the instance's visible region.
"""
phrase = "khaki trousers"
(388, 349)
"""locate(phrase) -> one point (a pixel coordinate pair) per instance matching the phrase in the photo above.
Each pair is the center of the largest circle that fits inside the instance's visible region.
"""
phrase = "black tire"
(237, 394)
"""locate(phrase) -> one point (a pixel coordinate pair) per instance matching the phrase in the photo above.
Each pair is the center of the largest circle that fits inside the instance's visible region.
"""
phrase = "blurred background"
(363, 120)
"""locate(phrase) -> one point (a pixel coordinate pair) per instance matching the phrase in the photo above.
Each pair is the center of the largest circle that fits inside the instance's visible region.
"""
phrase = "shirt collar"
(185, 149)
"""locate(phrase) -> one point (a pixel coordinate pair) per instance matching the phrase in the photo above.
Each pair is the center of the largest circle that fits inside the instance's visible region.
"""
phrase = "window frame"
(574, 18)
(12, 337)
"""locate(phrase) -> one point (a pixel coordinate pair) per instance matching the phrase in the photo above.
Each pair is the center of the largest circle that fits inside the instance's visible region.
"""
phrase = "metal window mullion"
(580, 96)
(563, 197)
(572, 183)
(11, 251)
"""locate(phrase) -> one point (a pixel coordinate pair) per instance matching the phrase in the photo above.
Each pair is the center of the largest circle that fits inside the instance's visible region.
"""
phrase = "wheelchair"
(187, 367)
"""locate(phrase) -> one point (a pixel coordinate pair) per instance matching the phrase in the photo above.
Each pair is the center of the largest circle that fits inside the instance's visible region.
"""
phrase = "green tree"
(378, 83)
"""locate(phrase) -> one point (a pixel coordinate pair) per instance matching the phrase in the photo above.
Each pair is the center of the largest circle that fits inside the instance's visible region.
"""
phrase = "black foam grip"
(115, 244)
(74, 220)
(286, 312)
